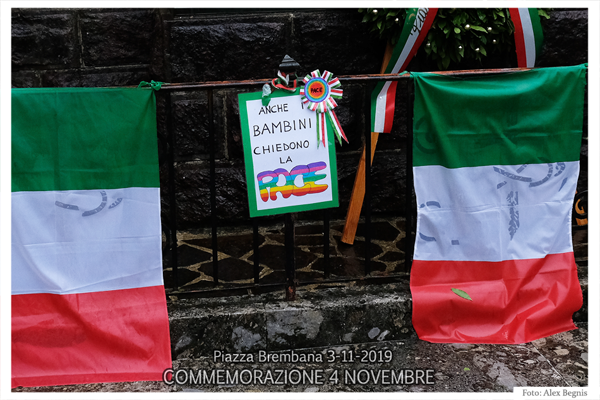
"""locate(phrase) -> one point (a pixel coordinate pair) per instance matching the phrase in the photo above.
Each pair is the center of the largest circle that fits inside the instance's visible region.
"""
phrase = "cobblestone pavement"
(557, 361)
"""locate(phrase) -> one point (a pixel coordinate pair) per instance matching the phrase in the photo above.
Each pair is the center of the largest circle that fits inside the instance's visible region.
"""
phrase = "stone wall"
(117, 47)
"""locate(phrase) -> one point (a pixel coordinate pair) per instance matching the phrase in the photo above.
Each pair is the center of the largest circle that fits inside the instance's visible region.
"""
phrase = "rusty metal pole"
(289, 67)
(290, 260)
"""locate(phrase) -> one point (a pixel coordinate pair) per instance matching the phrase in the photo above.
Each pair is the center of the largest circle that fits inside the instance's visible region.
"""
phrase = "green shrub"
(456, 34)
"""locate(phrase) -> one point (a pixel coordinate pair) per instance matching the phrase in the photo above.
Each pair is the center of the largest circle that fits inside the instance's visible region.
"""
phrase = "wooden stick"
(358, 191)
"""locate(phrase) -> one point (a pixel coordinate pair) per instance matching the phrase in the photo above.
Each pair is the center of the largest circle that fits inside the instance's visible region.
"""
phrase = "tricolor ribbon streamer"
(383, 100)
(319, 93)
(281, 82)
(528, 35)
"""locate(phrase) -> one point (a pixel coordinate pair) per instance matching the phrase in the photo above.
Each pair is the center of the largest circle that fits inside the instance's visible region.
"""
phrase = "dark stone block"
(236, 333)
(392, 256)
(309, 241)
(230, 269)
(93, 77)
(379, 231)
(309, 230)
(235, 47)
(280, 277)
(187, 255)
(235, 146)
(192, 186)
(234, 246)
(357, 249)
(329, 39)
(277, 237)
(190, 124)
(26, 79)
(350, 112)
(274, 257)
(184, 276)
(117, 38)
(347, 267)
(388, 174)
(401, 244)
(43, 40)
(565, 39)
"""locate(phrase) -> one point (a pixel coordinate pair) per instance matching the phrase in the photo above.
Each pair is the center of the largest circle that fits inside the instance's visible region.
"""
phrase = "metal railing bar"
(409, 245)
(366, 279)
(326, 242)
(290, 261)
(172, 200)
(342, 78)
(367, 199)
(256, 250)
(213, 188)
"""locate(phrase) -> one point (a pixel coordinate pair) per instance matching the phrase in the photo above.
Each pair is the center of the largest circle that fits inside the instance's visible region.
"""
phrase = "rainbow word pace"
(269, 189)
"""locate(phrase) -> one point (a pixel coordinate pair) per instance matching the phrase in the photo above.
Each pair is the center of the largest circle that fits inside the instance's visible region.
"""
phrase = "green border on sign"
(254, 212)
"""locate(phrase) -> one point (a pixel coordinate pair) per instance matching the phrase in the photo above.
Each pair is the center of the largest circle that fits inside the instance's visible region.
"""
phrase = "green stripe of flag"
(411, 15)
(84, 138)
(503, 128)
(538, 34)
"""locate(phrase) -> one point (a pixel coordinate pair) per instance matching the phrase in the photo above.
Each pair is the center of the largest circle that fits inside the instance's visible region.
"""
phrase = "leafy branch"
(456, 34)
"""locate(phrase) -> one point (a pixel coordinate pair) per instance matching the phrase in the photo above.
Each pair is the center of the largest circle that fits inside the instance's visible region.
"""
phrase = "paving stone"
(564, 351)
(392, 256)
(230, 269)
(274, 257)
(280, 277)
(348, 267)
(379, 231)
(277, 237)
(401, 244)
(309, 241)
(187, 255)
(357, 249)
(309, 230)
(184, 275)
(234, 246)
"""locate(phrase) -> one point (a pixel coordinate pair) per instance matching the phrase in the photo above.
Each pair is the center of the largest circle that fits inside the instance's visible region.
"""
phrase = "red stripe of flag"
(519, 37)
(90, 337)
(390, 106)
(519, 299)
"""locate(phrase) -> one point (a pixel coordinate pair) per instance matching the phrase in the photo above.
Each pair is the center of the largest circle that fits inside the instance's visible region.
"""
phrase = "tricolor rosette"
(319, 93)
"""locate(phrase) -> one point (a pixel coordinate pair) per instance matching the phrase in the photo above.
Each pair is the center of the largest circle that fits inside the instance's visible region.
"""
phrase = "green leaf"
(467, 369)
(543, 13)
(482, 50)
(478, 28)
(445, 64)
(481, 15)
(379, 25)
(456, 30)
(462, 294)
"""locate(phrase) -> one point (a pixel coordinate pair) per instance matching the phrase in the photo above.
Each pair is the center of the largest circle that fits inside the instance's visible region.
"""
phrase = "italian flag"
(528, 35)
(88, 302)
(496, 162)
(383, 99)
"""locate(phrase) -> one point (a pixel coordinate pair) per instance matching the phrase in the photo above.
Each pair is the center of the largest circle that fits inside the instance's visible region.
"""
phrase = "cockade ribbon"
(319, 93)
